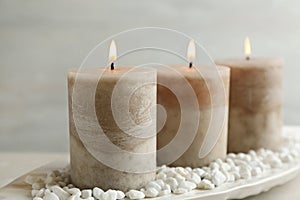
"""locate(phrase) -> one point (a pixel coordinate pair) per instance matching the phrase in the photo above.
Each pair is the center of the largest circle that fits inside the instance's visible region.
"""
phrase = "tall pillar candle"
(120, 102)
(173, 110)
(255, 103)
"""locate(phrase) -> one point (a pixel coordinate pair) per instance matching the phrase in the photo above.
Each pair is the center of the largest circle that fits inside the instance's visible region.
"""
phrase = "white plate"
(18, 190)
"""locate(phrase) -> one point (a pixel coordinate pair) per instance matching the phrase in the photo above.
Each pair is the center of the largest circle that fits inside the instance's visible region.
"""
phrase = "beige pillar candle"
(255, 103)
(173, 109)
(112, 127)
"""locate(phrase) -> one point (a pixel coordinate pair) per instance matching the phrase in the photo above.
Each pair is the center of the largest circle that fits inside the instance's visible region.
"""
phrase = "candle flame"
(112, 51)
(191, 51)
(247, 47)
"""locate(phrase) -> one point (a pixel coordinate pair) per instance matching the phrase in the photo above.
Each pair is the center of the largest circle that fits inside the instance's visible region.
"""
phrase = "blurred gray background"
(40, 40)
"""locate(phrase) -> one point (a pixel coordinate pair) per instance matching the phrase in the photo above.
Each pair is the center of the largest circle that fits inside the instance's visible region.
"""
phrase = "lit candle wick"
(112, 66)
(112, 54)
(191, 53)
(247, 48)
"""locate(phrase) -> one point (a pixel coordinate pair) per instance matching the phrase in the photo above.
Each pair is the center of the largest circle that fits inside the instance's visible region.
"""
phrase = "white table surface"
(13, 165)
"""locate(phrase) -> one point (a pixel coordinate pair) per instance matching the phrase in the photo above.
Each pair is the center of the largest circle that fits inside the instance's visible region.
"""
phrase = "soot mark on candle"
(190, 64)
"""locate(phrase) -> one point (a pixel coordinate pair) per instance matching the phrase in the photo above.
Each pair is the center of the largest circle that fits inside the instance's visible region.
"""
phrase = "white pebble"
(195, 178)
(34, 192)
(274, 161)
(109, 195)
(263, 166)
(151, 192)
(286, 158)
(161, 176)
(162, 169)
(235, 169)
(241, 163)
(50, 196)
(120, 194)
(240, 156)
(49, 185)
(207, 175)
(37, 185)
(181, 171)
(247, 158)
(231, 155)
(252, 153)
(219, 161)
(199, 171)
(214, 165)
(62, 194)
(164, 192)
(160, 182)
(189, 169)
(171, 173)
(187, 185)
(86, 193)
(256, 171)
(62, 183)
(230, 162)
(218, 178)
(153, 184)
(97, 192)
(206, 169)
(47, 191)
(74, 191)
(179, 178)
(245, 173)
(74, 197)
(206, 185)
(135, 194)
(40, 193)
(229, 177)
(172, 182)
(142, 190)
(180, 190)
(294, 153)
(261, 152)
(254, 163)
(225, 167)
(236, 175)
(37, 198)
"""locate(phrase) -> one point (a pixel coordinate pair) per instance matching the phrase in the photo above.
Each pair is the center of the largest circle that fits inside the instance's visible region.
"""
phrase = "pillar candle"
(122, 93)
(255, 103)
(167, 99)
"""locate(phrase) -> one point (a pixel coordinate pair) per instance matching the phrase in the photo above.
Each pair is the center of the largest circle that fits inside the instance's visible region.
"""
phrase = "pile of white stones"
(178, 180)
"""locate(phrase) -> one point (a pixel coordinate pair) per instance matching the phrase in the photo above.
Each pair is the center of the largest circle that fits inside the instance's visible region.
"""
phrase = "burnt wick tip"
(112, 66)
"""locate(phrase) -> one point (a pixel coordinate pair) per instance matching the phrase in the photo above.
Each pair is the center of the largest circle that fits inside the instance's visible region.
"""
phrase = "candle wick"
(247, 57)
(112, 66)
(190, 64)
